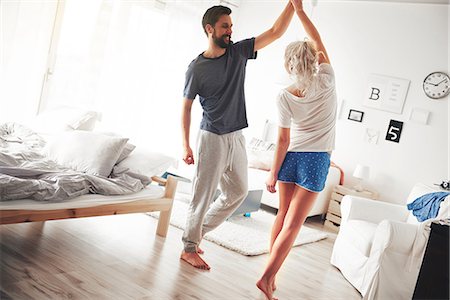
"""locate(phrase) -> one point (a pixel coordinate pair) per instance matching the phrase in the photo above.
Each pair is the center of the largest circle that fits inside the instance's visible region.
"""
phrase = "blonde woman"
(307, 117)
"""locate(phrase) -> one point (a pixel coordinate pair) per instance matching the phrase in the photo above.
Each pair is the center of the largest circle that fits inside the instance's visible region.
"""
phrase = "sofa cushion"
(260, 154)
(360, 234)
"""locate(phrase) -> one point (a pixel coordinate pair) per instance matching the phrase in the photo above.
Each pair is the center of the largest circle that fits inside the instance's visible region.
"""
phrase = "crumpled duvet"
(26, 173)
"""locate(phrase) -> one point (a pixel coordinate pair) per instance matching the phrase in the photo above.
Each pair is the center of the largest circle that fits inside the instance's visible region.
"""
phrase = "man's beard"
(221, 41)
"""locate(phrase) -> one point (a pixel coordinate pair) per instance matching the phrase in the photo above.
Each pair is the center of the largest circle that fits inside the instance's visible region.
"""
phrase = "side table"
(333, 217)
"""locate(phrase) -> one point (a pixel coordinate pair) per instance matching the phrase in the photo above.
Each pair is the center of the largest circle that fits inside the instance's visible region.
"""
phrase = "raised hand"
(297, 4)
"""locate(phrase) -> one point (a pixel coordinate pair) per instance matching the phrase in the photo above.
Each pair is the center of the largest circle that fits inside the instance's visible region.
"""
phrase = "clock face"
(436, 85)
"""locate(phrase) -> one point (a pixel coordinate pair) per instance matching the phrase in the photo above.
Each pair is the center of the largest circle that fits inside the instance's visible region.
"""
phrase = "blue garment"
(308, 170)
(427, 206)
(219, 83)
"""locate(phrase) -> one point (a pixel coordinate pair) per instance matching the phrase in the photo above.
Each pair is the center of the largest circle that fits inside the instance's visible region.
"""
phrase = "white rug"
(246, 235)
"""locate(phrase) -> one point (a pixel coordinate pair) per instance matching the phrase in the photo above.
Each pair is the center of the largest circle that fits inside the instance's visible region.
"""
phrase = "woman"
(302, 156)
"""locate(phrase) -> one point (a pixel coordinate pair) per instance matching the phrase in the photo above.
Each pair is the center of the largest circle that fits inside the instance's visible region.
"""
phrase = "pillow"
(260, 154)
(126, 150)
(146, 163)
(260, 159)
(64, 119)
(86, 151)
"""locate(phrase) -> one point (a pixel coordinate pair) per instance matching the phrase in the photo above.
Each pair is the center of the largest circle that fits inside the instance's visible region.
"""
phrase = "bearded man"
(217, 76)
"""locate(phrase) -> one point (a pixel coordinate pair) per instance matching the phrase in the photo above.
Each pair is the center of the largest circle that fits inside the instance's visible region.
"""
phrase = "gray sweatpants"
(221, 159)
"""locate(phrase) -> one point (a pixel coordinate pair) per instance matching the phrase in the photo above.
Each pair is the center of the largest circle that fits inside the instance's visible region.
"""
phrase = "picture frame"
(386, 93)
(394, 131)
(419, 115)
(355, 115)
(371, 135)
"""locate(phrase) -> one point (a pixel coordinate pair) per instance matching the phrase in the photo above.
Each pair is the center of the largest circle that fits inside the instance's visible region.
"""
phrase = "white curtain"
(127, 59)
(26, 29)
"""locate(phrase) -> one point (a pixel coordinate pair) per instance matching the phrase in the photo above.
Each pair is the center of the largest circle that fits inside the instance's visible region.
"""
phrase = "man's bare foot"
(195, 260)
(266, 288)
(200, 251)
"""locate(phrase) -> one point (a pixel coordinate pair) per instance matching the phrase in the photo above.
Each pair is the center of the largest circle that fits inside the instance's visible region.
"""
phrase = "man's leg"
(211, 159)
(234, 185)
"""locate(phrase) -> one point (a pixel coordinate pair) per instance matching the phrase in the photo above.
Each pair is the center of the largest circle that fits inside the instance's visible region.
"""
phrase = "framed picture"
(394, 131)
(372, 135)
(419, 115)
(355, 115)
(386, 93)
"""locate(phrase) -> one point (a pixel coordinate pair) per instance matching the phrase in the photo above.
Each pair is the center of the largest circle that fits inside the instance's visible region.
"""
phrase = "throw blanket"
(26, 173)
(427, 206)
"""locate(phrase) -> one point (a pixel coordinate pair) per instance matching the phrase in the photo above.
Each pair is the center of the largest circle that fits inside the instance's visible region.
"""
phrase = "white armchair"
(380, 246)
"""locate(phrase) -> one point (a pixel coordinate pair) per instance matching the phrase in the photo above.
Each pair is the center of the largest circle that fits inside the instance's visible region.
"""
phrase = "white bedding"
(88, 200)
(27, 172)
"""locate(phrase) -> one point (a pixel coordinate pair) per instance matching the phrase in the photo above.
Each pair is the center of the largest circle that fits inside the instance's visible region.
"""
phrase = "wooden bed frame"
(164, 205)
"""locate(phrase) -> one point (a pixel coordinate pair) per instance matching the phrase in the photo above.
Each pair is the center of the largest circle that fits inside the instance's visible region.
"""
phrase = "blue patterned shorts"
(306, 169)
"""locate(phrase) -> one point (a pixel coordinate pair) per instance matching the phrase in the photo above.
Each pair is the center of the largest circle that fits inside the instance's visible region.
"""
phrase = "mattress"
(89, 200)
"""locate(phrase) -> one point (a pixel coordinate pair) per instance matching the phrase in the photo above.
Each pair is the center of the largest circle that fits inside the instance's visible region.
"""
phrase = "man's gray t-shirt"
(219, 82)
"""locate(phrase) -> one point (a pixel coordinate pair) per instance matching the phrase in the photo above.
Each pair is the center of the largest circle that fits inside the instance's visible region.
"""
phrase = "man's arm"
(278, 29)
(188, 156)
(311, 30)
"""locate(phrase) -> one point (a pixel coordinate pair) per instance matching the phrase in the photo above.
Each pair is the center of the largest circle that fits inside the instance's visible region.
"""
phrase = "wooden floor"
(120, 257)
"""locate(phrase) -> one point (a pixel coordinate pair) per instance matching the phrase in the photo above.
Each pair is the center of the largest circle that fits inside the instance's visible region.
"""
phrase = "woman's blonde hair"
(301, 61)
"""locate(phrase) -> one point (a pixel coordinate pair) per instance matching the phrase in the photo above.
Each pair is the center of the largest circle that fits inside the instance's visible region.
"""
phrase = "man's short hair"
(213, 14)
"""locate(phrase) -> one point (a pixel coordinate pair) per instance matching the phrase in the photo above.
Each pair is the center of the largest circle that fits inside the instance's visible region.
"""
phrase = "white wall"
(396, 39)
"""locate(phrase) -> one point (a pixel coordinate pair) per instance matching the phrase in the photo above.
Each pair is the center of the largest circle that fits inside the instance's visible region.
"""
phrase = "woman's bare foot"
(266, 288)
(194, 260)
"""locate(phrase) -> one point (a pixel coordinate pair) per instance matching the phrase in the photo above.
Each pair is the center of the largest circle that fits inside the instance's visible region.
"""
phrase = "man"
(217, 76)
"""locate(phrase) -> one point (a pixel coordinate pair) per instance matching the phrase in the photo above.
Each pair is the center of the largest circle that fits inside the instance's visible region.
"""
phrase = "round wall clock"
(436, 85)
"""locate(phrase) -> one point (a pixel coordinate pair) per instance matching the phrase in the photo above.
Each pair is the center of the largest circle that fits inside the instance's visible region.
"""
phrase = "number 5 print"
(394, 131)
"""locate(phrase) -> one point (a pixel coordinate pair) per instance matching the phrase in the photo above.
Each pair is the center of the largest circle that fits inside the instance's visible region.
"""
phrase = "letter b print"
(374, 94)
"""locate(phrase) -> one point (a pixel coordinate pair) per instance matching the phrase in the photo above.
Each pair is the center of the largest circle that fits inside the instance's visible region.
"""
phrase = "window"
(26, 30)
(127, 59)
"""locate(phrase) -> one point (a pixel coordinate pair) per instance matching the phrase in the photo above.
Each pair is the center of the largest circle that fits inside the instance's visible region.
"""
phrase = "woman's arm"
(311, 30)
(280, 154)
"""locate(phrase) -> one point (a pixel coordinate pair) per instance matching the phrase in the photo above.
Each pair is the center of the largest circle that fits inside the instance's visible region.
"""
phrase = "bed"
(152, 198)
(77, 173)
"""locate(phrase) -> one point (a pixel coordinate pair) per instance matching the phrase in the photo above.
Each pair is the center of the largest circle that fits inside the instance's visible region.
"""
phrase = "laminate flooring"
(120, 257)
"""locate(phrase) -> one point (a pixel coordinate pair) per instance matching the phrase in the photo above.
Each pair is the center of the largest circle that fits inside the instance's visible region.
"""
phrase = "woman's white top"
(312, 118)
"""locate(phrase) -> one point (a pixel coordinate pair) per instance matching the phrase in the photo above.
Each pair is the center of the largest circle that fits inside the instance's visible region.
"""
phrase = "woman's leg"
(286, 191)
(301, 203)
